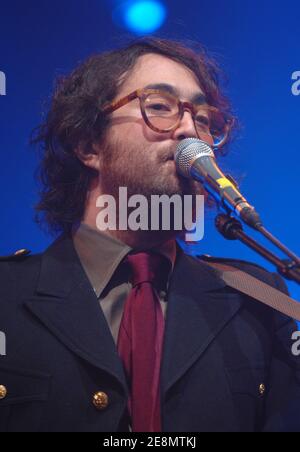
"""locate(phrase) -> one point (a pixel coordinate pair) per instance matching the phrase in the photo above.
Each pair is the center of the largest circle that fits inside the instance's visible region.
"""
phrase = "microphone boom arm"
(232, 229)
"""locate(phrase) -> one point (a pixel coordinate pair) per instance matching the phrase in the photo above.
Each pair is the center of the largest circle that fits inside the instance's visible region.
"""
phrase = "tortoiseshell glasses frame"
(210, 123)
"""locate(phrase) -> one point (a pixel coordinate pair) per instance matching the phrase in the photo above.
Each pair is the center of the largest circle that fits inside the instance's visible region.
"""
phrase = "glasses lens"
(211, 126)
(162, 111)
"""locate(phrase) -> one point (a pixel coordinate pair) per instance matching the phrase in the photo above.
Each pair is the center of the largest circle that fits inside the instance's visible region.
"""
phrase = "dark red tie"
(140, 340)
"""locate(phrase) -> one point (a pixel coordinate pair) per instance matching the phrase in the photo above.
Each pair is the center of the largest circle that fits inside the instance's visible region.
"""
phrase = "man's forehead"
(153, 70)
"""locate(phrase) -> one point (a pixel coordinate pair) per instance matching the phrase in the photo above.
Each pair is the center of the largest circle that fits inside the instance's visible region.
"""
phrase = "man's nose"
(186, 127)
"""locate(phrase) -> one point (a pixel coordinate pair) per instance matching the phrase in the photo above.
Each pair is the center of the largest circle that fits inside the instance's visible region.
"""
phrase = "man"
(120, 330)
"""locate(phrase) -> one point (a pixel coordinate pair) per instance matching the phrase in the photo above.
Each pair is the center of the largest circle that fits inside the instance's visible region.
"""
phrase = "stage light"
(141, 16)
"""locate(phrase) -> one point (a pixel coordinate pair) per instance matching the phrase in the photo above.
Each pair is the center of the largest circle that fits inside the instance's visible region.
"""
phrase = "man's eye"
(203, 120)
(159, 107)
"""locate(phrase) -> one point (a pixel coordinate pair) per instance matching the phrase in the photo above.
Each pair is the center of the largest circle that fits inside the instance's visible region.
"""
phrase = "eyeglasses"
(163, 112)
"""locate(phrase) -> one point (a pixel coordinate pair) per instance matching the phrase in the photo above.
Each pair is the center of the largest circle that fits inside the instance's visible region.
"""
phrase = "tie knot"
(148, 267)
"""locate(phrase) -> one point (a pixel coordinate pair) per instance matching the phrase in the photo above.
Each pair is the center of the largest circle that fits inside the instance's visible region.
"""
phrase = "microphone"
(195, 159)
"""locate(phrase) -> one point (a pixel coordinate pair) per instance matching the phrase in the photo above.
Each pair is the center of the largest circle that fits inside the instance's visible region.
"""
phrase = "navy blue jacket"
(227, 361)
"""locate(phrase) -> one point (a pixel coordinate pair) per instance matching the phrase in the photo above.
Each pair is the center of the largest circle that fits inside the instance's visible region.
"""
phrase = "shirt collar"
(101, 254)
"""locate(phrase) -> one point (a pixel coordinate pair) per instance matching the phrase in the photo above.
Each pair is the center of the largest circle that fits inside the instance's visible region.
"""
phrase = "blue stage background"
(257, 44)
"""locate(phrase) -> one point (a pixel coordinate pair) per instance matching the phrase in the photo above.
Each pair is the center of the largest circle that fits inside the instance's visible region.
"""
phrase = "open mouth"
(170, 160)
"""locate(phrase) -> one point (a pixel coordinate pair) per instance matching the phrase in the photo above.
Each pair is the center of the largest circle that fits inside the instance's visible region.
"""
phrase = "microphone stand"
(232, 229)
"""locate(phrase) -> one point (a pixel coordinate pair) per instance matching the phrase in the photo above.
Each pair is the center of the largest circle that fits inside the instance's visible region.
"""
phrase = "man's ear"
(91, 158)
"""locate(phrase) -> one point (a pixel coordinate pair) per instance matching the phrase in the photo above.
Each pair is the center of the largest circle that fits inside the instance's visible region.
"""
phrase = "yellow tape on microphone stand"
(225, 183)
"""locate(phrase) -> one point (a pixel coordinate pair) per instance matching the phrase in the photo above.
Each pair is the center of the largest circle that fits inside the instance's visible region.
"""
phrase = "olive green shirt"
(101, 257)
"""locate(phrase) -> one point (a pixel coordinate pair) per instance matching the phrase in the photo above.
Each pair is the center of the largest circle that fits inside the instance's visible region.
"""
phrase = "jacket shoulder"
(16, 256)
(18, 273)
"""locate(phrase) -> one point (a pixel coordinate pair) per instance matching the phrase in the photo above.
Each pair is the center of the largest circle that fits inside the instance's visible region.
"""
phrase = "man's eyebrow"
(198, 99)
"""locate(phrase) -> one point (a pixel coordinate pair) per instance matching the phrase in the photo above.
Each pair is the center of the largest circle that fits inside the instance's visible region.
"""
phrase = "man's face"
(135, 156)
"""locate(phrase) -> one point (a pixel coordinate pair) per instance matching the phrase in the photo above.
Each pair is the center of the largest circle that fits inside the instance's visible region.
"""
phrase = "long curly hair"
(75, 119)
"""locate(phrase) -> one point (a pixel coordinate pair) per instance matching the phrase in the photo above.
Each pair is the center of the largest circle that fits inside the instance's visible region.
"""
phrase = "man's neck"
(139, 239)
(143, 239)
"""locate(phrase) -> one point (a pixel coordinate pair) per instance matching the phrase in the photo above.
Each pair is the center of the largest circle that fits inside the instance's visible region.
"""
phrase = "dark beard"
(147, 179)
(118, 171)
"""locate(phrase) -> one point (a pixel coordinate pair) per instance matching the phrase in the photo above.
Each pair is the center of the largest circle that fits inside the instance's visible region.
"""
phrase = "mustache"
(169, 154)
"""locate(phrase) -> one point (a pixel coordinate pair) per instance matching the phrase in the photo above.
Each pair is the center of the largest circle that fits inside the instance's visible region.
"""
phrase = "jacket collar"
(67, 305)
(100, 254)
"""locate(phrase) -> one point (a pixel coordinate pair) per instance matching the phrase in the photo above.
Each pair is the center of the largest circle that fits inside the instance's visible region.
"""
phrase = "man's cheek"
(149, 136)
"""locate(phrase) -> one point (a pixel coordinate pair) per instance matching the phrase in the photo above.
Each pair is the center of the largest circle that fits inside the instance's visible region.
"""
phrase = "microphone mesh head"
(187, 151)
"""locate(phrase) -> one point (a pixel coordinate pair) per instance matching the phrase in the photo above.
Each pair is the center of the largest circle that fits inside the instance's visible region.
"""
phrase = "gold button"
(262, 389)
(3, 392)
(100, 400)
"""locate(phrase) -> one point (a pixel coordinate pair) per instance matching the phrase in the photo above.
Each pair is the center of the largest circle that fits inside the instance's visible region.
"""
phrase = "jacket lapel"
(67, 305)
(198, 309)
